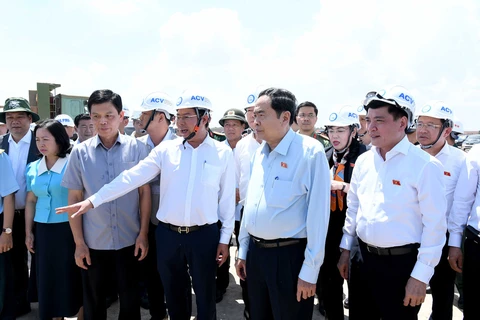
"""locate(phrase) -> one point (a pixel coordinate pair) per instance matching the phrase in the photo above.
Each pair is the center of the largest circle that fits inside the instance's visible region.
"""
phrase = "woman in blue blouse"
(58, 277)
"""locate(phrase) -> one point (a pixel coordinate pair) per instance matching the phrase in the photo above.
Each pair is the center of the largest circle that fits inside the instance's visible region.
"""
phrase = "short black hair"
(307, 104)
(102, 96)
(395, 111)
(282, 100)
(58, 132)
(80, 117)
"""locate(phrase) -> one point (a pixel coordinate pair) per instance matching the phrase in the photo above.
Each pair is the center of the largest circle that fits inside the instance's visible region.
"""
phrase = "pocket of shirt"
(282, 194)
(211, 175)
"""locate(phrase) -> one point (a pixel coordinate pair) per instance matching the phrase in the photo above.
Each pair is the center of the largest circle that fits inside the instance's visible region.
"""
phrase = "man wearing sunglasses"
(396, 206)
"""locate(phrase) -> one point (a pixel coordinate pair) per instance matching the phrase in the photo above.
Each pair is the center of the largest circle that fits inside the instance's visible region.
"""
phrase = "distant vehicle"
(470, 141)
(461, 138)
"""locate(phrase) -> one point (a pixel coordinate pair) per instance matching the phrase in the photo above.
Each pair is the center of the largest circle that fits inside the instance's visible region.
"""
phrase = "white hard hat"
(193, 99)
(158, 101)
(436, 109)
(126, 111)
(65, 120)
(394, 95)
(458, 127)
(253, 96)
(361, 110)
(343, 116)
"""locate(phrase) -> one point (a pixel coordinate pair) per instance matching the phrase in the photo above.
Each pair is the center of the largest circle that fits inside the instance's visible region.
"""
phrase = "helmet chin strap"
(428, 146)
(349, 141)
(196, 128)
(144, 130)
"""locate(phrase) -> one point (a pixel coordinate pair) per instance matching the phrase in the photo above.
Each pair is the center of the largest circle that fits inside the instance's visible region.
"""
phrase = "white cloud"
(345, 50)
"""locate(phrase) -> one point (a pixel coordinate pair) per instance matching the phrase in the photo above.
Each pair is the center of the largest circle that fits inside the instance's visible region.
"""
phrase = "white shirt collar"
(57, 167)
(26, 138)
(401, 147)
(445, 150)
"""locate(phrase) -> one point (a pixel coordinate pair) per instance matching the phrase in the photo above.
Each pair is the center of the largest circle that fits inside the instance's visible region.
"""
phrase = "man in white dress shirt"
(287, 207)
(197, 188)
(465, 217)
(233, 123)
(434, 124)
(155, 115)
(396, 206)
(243, 155)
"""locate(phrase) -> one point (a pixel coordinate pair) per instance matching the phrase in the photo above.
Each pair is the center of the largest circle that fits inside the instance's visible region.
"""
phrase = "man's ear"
(286, 116)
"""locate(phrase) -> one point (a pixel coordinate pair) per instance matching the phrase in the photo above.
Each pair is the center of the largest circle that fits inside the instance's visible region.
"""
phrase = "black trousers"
(442, 285)
(95, 283)
(243, 284)
(151, 278)
(180, 256)
(357, 299)
(19, 255)
(272, 276)
(471, 279)
(330, 282)
(7, 293)
(386, 278)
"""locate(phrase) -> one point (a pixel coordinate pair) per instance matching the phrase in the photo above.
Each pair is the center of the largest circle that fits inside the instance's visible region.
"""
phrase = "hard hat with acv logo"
(158, 101)
(193, 99)
(394, 95)
(437, 109)
(343, 116)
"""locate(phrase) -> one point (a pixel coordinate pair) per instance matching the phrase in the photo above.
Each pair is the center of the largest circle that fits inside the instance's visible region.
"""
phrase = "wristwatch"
(7, 230)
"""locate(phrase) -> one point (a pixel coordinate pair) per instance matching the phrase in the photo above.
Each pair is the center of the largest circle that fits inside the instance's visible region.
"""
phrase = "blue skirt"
(58, 277)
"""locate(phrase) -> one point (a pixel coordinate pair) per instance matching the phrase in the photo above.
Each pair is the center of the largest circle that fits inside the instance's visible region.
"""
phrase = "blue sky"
(328, 52)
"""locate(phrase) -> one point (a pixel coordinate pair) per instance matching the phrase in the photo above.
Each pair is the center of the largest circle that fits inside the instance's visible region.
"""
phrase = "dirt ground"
(231, 307)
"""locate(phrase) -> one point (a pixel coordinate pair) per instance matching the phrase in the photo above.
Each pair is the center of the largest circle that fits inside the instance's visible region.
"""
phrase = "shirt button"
(113, 214)
(114, 227)
(110, 164)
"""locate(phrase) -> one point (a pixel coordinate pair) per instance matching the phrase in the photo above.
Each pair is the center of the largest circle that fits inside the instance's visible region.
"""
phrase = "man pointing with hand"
(197, 188)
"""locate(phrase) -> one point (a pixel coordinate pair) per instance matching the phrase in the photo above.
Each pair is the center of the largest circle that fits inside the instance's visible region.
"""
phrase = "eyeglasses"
(428, 126)
(304, 115)
(186, 118)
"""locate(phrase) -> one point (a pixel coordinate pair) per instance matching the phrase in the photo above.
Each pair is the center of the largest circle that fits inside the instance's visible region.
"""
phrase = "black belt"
(276, 243)
(392, 251)
(20, 211)
(182, 229)
(472, 234)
